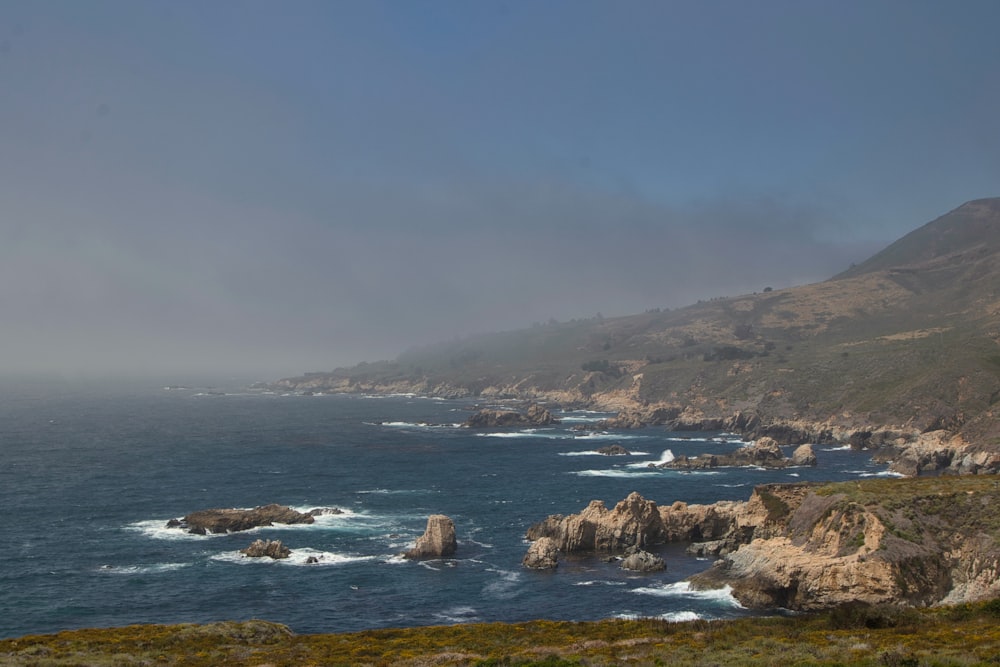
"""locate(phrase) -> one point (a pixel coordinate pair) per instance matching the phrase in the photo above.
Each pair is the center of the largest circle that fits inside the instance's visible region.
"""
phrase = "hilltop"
(900, 350)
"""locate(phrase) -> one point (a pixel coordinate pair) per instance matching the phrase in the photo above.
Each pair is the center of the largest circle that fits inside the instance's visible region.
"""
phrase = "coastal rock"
(639, 417)
(803, 456)
(210, 521)
(614, 450)
(765, 453)
(535, 415)
(643, 561)
(266, 548)
(543, 554)
(634, 522)
(438, 540)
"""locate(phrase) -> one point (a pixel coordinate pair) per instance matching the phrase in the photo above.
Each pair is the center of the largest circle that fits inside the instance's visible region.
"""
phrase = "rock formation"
(614, 450)
(643, 561)
(543, 554)
(535, 415)
(266, 548)
(438, 540)
(233, 520)
(764, 453)
(634, 522)
(814, 546)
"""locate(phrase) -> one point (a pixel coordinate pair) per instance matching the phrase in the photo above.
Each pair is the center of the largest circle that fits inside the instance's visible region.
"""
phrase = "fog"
(267, 189)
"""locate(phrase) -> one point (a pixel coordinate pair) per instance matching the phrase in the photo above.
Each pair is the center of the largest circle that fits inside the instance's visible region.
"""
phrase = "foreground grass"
(963, 635)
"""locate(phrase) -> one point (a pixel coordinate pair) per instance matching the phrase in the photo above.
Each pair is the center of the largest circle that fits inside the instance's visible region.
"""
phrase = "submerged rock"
(438, 540)
(643, 561)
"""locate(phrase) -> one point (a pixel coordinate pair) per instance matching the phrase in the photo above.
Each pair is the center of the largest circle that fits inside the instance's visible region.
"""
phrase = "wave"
(155, 568)
(682, 589)
(505, 587)
(421, 425)
(604, 435)
(594, 452)
(157, 530)
(599, 582)
(884, 473)
(551, 434)
(615, 472)
(843, 448)
(461, 614)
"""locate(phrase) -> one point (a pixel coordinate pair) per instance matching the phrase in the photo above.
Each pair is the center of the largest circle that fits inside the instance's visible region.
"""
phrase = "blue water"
(90, 476)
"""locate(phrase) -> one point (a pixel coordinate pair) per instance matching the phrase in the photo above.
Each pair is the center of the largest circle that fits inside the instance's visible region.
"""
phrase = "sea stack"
(438, 540)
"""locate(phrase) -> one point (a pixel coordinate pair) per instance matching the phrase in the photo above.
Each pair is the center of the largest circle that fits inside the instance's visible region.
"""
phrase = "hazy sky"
(276, 187)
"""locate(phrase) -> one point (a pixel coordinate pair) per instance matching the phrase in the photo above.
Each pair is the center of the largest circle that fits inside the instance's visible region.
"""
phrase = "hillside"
(908, 340)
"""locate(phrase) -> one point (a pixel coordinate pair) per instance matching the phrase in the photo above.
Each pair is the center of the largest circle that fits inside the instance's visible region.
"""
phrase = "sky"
(269, 188)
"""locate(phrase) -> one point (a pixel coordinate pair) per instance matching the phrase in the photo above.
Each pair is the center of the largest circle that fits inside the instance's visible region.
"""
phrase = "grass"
(855, 635)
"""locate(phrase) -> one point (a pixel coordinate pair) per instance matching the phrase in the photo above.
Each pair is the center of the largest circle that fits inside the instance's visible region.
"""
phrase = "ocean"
(92, 473)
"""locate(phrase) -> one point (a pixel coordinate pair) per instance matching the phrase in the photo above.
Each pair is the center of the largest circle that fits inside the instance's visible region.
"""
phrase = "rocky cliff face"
(809, 546)
(438, 540)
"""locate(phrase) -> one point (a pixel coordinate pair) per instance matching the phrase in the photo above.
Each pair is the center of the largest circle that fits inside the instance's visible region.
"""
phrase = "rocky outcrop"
(266, 549)
(814, 546)
(614, 450)
(643, 561)
(764, 453)
(916, 542)
(543, 554)
(233, 520)
(535, 415)
(634, 522)
(438, 540)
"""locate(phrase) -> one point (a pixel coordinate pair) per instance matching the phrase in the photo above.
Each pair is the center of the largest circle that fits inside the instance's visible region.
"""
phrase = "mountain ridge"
(907, 341)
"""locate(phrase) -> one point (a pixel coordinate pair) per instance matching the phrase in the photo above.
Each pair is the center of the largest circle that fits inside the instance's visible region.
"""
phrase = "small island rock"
(267, 548)
(438, 540)
(643, 561)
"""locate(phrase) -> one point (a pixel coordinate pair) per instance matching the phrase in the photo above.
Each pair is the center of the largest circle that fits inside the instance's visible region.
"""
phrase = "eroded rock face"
(233, 520)
(438, 540)
(543, 554)
(267, 549)
(803, 456)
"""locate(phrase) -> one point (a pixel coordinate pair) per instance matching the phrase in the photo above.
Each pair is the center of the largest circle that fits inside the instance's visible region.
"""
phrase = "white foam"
(604, 435)
(599, 582)
(682, 589)
(458, 615)
(615, 472)
(680, 616)
(157, 530)
(155, 568)
(844, 448)
(884, 473)
(421, 425)
(505, 587)
(298, 557)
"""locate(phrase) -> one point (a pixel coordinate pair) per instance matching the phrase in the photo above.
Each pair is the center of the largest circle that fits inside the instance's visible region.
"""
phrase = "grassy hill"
(909, 337)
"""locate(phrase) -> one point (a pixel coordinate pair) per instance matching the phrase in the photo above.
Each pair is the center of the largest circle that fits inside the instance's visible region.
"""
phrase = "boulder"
(205, 522)
(643, 561)
(267, 548)
(438, 540)
(803, 456)
(543, 554)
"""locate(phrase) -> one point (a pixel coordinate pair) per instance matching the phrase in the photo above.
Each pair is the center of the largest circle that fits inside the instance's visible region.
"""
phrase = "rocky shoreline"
(811, 546)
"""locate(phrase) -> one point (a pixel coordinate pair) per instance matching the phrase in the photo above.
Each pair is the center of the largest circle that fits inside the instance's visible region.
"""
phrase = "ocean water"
(91, 474)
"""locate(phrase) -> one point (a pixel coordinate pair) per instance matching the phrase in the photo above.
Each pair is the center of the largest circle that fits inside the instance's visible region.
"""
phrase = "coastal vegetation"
(853, 634)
